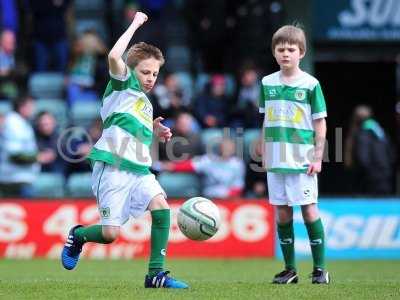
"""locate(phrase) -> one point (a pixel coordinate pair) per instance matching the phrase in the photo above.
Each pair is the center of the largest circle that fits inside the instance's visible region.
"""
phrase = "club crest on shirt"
(299, 95)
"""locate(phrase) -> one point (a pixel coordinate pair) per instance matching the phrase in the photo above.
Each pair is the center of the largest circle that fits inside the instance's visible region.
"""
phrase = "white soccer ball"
(199, 219)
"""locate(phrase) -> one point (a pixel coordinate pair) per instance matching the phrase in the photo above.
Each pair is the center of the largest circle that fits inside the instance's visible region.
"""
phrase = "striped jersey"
(288, 114)
(127, 135)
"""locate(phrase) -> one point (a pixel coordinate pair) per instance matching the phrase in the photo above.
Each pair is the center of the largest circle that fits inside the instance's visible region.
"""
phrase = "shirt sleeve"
(238, 182)
(318, 106)
(261, 105)
(201, 164)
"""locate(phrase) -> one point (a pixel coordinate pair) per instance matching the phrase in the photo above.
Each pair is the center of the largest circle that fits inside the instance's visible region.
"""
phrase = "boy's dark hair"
(292, 34)
(141, 51)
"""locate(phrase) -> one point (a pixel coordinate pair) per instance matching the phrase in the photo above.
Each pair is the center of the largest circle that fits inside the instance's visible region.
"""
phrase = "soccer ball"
(199, 219)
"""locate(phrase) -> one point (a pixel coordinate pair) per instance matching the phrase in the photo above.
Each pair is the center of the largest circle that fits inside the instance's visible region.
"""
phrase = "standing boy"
(121, 180)
(294, 130)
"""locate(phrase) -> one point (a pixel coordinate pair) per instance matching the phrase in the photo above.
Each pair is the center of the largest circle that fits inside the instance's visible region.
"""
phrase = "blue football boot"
(72, 249)
(161, 280)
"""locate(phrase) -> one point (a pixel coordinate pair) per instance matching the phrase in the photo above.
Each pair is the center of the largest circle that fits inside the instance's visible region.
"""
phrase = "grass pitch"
(209, 279)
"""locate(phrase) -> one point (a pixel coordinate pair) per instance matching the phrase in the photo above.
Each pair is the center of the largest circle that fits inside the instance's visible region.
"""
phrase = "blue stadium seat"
(180, 184)
(93, 24)
(57, 107)
(5, 107)
(211, 136)
(186, 83)
(46, 85)
(250, 137)
(49, 185)
(84, 112)
(178, 58)
(80, 185)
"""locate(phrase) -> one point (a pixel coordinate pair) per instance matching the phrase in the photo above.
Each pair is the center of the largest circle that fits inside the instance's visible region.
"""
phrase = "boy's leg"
(286, 235)
(97, 233)
(112, 190)
(316, 234)
(160, 217)
(284, 214)
(157, 277)
(149, 195)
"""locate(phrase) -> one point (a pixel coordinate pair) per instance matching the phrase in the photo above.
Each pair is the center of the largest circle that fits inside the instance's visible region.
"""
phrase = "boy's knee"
(310, 213)
(285, 214)
(110, 233)
(158, 202)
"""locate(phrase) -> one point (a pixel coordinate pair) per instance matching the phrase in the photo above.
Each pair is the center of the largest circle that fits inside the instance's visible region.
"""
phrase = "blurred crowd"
(53, 72)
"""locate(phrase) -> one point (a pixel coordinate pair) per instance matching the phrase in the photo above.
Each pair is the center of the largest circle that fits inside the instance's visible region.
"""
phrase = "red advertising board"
(38, 228)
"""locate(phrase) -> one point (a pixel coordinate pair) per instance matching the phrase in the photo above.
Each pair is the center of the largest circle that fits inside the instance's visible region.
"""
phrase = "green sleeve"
(318, 106)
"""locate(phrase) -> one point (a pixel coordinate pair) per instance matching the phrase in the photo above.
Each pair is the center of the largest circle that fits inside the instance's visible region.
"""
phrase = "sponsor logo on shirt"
(286, 113)
(143, 109)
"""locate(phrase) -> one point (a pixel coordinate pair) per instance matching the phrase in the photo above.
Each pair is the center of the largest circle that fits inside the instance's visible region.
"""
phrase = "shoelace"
(73, 246)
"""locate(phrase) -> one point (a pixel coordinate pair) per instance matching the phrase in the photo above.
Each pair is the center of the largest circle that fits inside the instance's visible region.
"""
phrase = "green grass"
(209, 279)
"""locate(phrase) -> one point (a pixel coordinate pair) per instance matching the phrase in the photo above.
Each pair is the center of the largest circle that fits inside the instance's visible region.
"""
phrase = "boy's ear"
(302, 54)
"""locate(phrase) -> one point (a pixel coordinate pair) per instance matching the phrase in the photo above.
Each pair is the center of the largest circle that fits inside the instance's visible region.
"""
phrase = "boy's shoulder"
(271, 79)
(310, 79)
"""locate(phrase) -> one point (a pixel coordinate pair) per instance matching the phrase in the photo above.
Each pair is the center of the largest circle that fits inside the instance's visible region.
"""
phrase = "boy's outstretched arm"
(115, 62)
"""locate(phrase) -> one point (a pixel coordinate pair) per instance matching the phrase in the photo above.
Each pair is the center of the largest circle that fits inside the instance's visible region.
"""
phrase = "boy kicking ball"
(294, 129)
(121, 180)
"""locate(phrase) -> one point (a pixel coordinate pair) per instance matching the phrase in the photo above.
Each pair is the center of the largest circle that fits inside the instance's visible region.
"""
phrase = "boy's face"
(288, 56)
(147, 73)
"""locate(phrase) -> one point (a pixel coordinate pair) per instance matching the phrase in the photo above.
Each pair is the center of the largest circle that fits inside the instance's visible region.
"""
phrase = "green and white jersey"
(127, 135)
(289, 111)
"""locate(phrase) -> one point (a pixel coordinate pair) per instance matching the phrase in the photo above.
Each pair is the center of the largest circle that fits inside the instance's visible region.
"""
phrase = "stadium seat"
(186, 83)
(57, 107)
(48, 185)
(46, 85)
(80, 185)
(5, 107)
(94, 24)
(178, 58)
(180, 184)
(249, 142)
(89, 8)
(84, 112)
(211, 136)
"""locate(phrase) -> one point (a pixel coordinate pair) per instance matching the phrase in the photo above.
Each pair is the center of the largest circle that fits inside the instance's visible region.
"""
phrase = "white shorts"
(121, 194)
(292, 189)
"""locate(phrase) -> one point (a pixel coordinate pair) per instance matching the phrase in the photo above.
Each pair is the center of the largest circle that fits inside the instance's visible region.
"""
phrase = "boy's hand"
(139, 19)
(162, 132)
(314, 168)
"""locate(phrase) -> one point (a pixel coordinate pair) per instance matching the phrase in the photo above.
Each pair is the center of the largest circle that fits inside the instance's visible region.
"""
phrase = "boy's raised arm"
(115, 62)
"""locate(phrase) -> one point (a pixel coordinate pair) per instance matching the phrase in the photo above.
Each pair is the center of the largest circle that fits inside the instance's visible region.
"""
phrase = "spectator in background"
(80, 147)
(87, 63)
(8, 86)
(212, 107)
(47, 137)
(18, 151)
(256, 178)
(369, 154)
(246, 115)
(185, 143)
(223, 174)
(50, 43)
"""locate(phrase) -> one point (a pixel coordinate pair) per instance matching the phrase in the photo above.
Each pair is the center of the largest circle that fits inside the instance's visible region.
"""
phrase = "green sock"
(317, 242)
(286, 240)
(92, 233)
(159, 239)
